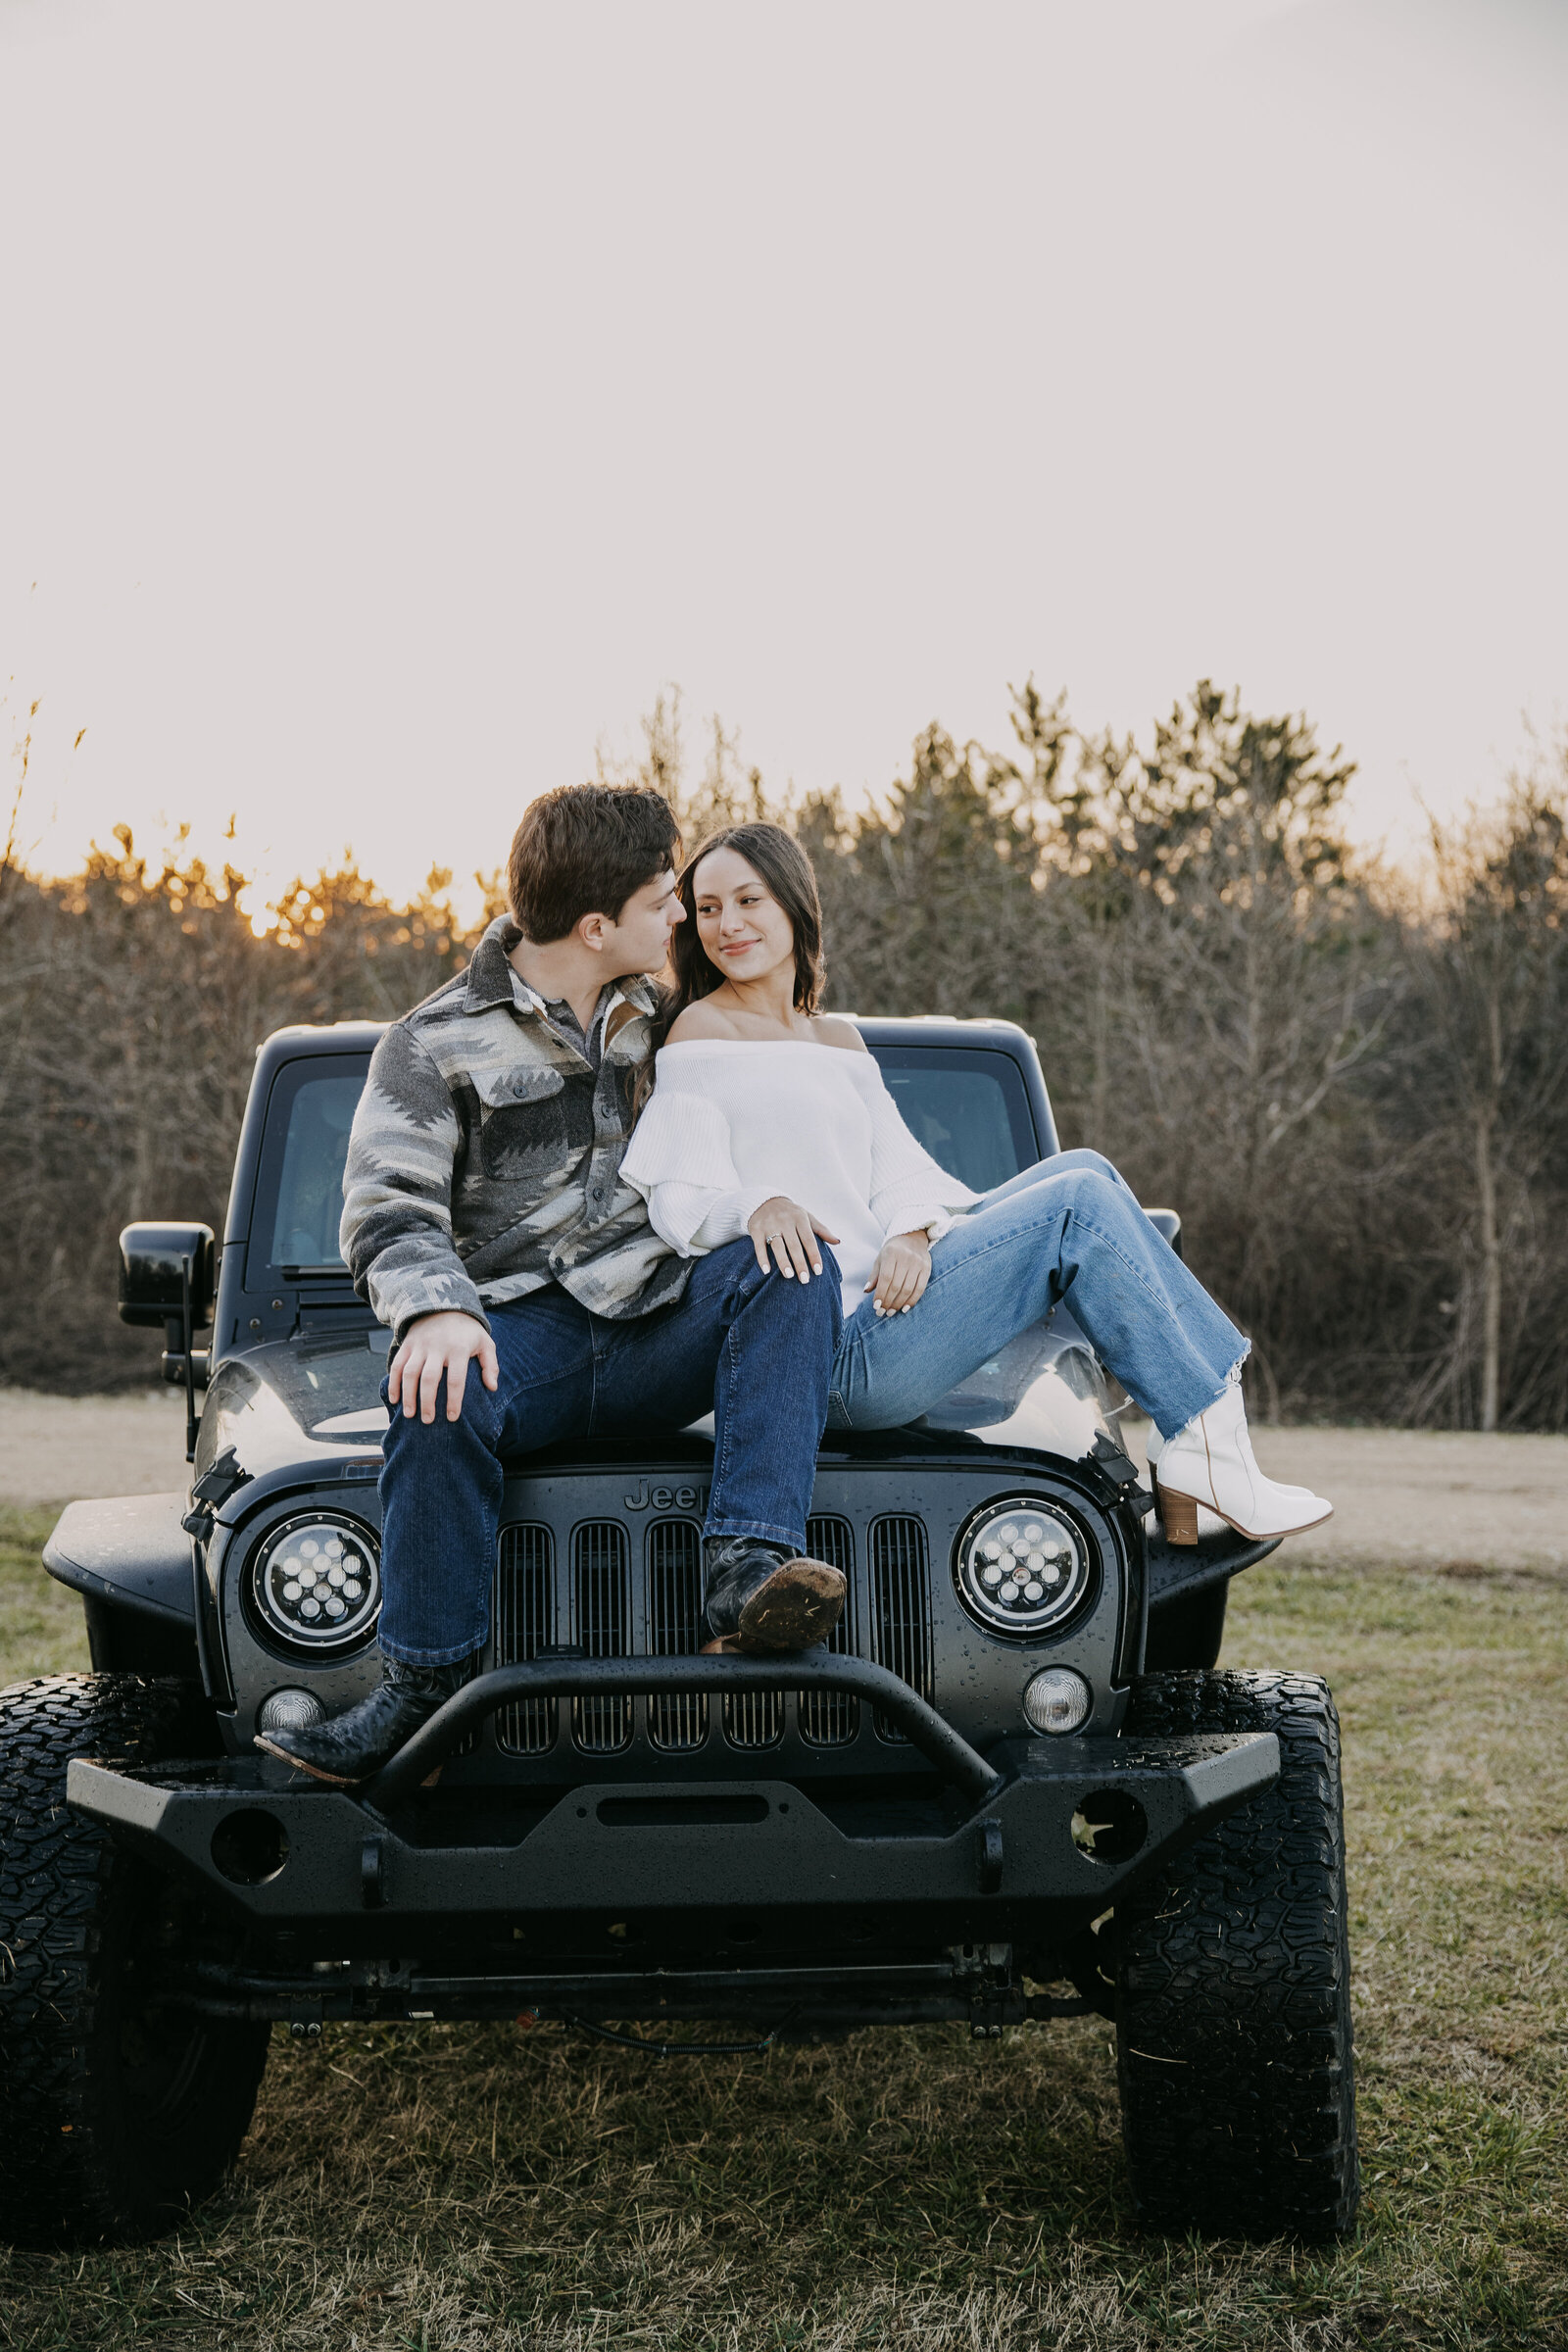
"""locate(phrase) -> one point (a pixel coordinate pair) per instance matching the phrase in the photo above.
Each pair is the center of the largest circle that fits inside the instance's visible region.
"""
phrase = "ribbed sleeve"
(909, 1190)
(681, 1163)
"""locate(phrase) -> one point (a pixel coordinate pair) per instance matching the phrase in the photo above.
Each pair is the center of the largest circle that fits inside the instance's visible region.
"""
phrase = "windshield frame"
(910, 1054)
(287, 1083)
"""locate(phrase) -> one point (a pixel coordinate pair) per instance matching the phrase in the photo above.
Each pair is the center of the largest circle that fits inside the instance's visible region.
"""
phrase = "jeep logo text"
(667, 1499)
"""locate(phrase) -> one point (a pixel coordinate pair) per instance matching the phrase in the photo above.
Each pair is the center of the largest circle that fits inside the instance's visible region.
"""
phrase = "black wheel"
(115, 2113)
(1233, 1985)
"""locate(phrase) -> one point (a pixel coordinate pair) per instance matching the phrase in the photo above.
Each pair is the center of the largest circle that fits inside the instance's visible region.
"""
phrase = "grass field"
(456, 2188)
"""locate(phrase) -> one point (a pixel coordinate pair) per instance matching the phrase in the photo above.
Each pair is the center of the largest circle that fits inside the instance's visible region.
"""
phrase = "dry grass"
(474, 2188)
(41, 1628)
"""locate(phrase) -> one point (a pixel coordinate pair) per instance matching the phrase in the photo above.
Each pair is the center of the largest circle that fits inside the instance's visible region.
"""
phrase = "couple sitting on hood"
(562, 1251)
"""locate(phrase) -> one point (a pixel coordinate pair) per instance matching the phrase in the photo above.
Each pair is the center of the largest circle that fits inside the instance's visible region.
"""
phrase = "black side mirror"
(168, 1275)
(152, 1259)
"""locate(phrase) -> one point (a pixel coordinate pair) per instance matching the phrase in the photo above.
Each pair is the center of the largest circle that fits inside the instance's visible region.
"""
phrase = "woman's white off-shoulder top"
(730, 1123)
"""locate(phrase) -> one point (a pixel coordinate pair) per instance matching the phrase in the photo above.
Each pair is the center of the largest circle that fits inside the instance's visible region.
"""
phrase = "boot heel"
(1178, 1515)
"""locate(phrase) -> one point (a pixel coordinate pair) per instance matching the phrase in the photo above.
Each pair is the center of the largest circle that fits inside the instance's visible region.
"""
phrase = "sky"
(395, 399)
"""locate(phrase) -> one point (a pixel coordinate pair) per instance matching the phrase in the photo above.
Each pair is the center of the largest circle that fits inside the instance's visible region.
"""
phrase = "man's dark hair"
(584, 849)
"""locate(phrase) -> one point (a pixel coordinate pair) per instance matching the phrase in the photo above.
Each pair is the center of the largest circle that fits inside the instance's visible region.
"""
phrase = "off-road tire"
(1233, 1985)
(115, 2117)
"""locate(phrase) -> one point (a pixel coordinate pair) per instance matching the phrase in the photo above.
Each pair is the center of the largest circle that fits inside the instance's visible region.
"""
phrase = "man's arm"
(396, 1234)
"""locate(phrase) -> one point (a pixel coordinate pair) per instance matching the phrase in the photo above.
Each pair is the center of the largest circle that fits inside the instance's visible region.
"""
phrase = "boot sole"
(798, 1607)
(333, 1780)
(1178, 1518)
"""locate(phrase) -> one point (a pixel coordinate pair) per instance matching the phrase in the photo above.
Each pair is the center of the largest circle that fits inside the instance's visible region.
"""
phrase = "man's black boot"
(352, 1746)
(763, 1596)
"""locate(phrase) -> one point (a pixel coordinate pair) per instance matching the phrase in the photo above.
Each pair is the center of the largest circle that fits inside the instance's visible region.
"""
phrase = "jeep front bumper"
(1064, 1823)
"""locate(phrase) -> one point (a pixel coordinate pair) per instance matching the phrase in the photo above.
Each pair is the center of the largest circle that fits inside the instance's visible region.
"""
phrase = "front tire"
(117, 2115)
(1233, 1993)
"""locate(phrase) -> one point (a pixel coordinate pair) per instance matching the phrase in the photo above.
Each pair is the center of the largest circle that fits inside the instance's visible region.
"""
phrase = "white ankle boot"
(1211, 1462)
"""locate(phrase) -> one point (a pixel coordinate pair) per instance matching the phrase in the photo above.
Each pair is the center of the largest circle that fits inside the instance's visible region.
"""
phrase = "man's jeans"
(751, 1346)
(1068, 1229)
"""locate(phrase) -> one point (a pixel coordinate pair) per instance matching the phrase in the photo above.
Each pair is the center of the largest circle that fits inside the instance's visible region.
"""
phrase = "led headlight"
(314, 1584)
(1022, 1566)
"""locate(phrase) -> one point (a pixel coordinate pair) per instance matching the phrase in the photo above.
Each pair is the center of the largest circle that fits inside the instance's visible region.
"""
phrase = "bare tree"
(1491, 966)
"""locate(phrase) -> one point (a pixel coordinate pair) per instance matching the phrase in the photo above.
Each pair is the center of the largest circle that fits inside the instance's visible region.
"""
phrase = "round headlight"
(315, 1583)
(289, 1711)
(1022, 1566)
(1056, 1700)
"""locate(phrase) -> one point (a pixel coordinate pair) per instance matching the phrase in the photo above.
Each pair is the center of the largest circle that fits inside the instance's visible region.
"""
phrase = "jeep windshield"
(967, 1106)
(300, 1198)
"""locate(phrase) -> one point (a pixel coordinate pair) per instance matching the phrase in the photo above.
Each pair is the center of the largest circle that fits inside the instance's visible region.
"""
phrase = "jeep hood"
(309, 1406)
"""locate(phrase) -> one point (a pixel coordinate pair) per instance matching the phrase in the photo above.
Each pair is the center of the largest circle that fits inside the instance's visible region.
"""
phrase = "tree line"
(1352, 1085)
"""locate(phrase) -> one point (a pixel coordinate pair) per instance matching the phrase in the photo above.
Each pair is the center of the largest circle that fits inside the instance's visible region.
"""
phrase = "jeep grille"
(526, 1624)
(901, 1609)
(600, 1624)
(832, 1718)
(599, 1598)
(675, 1627)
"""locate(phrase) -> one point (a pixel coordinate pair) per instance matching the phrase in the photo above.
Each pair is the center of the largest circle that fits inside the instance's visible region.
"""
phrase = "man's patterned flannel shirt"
(485, 1157)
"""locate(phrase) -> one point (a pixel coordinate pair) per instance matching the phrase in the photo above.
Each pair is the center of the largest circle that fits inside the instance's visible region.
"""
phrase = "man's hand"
(435, 1345)
(790, 1232)
(900, 1273)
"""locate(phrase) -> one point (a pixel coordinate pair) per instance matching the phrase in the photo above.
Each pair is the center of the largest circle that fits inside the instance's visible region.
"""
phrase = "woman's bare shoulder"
(832, 1029)
(701, 1020)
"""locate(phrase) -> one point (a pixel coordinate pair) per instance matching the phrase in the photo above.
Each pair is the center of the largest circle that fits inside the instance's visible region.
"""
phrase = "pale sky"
(395, 399)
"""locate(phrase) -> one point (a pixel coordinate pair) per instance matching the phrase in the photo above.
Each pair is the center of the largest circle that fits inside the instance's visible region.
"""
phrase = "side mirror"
(152, 1259)
(166, 1276)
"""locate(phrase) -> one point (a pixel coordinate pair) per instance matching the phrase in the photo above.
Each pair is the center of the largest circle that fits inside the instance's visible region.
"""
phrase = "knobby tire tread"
(75, 2166)
(1234, 2039)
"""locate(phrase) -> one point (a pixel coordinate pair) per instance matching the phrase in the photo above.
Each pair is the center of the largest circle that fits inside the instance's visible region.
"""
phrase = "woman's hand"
(790, 1231)
(900, 1273)
(435, 1346)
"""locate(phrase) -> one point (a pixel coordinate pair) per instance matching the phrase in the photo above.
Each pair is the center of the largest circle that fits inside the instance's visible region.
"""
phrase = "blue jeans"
(1067, 1229)
(750, 1346)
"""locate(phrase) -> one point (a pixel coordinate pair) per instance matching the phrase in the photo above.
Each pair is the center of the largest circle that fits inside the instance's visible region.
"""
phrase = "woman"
(770, 1118)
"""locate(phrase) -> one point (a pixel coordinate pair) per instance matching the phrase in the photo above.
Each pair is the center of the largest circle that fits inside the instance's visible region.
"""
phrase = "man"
(529, 1298)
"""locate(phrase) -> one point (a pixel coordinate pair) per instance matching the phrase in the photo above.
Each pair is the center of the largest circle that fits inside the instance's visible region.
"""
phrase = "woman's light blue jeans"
(1067, 1229)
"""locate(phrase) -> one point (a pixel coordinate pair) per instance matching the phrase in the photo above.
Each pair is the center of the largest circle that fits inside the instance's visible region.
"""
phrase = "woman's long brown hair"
(781, 862)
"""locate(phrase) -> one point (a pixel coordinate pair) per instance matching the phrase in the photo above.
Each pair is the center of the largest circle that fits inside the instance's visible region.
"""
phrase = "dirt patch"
(62, 1449)
(1427, 1498)
(1432, 1495)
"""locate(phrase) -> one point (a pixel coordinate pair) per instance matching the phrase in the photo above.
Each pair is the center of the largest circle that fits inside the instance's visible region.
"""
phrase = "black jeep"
(1012, 1788)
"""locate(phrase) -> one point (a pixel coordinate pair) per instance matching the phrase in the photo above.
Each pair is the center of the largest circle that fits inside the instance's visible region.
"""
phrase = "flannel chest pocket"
(535, 1123)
